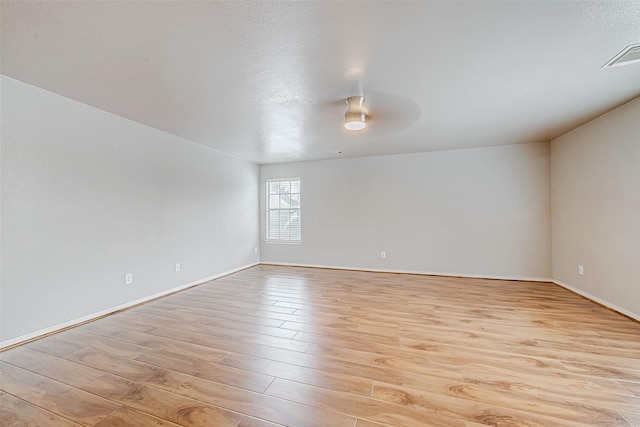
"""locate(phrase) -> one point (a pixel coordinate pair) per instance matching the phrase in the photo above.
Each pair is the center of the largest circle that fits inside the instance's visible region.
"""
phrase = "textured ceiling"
(266, 81)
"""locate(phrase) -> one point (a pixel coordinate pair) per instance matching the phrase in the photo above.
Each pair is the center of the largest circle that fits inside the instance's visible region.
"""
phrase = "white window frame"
(269, 210)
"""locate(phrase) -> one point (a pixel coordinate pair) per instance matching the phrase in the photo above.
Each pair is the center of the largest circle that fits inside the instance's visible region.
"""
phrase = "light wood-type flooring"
(305, 347)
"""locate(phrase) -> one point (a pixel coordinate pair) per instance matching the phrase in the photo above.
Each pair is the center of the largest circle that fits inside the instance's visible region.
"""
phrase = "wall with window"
(88, 197)
(482, 212)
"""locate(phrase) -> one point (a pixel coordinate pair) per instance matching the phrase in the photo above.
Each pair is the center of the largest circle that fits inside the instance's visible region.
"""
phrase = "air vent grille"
(630, 55)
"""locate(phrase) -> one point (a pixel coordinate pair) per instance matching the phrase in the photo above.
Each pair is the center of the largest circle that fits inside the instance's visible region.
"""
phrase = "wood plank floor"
(272, 346)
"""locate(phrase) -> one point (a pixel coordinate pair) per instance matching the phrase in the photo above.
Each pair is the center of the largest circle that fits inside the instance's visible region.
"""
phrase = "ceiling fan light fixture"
(355, 121)
(355, 118)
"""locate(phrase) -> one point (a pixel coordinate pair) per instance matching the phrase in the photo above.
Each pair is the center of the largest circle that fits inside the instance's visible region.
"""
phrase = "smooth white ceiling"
(266, 81)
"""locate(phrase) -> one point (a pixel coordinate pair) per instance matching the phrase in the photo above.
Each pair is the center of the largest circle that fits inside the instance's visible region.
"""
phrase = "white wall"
(482, 212)
(88, 196)
(596, 208)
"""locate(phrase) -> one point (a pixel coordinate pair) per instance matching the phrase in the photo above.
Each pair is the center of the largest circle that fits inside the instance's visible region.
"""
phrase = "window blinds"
(283, 210)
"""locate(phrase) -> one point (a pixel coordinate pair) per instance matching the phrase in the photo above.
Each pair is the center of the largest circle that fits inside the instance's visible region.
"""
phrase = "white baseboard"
(600, 301)
(425, 273)
(587, 295)
(34, 335)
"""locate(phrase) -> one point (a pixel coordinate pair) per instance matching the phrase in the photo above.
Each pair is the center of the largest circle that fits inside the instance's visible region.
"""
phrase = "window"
(283, 210)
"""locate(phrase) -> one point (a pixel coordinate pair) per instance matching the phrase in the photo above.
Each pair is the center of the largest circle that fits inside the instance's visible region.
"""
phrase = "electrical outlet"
(255, 249)
(177, 267)
(581, 270)
(128, 279)
(383, 254)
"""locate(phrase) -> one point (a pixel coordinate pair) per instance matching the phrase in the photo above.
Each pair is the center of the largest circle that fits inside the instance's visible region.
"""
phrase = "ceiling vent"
(629, 55)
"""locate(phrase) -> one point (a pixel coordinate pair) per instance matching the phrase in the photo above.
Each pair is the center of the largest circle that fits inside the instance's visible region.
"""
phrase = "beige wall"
(482, 212)
(88, 196)
(595, 181)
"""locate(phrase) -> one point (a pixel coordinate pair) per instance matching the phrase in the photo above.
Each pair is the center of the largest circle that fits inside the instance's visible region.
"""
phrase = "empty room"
(319, 213)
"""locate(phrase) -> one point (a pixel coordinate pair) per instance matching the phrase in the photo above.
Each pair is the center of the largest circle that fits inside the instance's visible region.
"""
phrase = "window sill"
(284, 242)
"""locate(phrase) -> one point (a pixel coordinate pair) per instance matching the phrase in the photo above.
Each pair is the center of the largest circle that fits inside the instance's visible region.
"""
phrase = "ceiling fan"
(374, 113)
